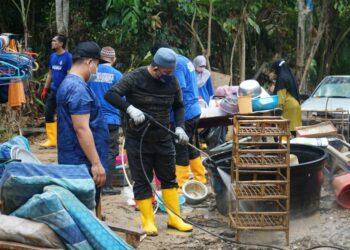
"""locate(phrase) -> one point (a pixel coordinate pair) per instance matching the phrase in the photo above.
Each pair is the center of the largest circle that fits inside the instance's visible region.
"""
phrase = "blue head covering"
(165, 58)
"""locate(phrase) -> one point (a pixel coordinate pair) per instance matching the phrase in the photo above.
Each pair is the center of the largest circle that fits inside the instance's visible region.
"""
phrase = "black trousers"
(50, 106)
(156, 156)
(113, 151)
(185, 153)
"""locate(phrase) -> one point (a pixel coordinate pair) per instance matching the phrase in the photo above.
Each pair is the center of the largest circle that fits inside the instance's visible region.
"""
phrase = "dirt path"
(329, 226)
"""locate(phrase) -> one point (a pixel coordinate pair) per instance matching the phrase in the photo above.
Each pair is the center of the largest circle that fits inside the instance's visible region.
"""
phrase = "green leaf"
(254, 25)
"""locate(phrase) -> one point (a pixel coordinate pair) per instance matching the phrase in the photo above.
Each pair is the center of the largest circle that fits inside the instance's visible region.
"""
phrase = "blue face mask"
(165, 78)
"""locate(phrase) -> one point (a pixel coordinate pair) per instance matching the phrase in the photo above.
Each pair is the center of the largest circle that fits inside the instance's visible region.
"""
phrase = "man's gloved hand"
(44, 93)
(136, 115)
(182, 137)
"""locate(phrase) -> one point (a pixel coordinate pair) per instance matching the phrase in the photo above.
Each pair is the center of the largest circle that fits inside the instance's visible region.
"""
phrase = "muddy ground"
(329, 226)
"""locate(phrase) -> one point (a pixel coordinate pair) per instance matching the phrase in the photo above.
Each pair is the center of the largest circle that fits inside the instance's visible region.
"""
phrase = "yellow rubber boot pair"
(51, 131)
(198, 170)
(147, 217)
(182, 174)
(171, 199)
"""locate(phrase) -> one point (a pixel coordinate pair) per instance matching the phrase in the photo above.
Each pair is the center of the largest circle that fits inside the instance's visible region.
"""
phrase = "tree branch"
(17, 6)
(209, 33)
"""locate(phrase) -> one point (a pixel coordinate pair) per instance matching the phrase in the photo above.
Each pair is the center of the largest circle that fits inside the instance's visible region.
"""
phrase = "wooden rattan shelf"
(261, 161)
(260, 190)
(260, 175)
(260, 221)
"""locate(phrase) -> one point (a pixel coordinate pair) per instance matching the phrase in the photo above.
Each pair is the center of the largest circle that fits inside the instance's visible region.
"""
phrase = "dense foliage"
(132, 26)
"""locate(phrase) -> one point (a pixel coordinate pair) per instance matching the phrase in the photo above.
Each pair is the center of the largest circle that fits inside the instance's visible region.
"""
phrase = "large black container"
(306, 179)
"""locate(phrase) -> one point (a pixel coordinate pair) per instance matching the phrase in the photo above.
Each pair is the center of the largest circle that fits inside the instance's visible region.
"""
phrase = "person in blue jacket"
(107, 76)
(82, 131)
(204, 81)
(186, 156)
(59, 64)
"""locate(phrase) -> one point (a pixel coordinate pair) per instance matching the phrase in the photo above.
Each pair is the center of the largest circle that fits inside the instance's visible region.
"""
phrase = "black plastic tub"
(306, 179)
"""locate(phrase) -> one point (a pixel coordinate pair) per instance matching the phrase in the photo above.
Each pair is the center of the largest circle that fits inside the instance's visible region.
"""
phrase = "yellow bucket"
(245, 104)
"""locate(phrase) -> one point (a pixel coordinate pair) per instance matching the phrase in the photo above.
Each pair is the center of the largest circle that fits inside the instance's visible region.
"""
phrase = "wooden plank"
(125, 229)
(133, 235)
(7, 245)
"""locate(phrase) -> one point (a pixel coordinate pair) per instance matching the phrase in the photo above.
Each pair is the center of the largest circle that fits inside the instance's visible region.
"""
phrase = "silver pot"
(249, 87)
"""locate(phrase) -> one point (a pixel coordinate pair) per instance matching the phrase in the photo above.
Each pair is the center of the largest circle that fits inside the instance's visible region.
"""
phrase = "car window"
(336, 87)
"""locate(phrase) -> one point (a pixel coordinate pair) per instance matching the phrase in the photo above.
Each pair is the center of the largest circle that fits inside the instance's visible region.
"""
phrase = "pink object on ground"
(341, 185)
(118, 160)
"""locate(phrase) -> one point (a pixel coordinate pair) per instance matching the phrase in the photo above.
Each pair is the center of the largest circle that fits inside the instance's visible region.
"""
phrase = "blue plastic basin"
(265, 103)
(182, 201)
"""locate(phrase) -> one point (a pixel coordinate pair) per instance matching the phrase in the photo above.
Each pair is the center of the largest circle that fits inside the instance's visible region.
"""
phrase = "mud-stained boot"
(198, 170)
(51, 131)
(182, 174)
(171, 199)
(147, 216)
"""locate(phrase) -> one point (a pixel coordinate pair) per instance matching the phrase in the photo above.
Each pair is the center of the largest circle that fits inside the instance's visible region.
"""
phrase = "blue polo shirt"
(59, 65)
(74, 97)
(107, 76)
(186, 75)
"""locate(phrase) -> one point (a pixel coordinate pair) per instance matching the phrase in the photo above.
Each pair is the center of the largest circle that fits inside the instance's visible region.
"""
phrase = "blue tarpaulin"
(71, 220)
(20, 181)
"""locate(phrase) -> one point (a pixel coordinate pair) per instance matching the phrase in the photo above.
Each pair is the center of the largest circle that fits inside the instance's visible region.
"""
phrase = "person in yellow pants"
(155, 91)
(286, 88)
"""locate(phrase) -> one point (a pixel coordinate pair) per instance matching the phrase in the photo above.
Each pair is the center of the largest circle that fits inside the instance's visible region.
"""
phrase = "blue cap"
(165, 58)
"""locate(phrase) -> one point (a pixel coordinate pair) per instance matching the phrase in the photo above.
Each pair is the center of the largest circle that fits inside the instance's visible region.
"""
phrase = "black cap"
(87, 49)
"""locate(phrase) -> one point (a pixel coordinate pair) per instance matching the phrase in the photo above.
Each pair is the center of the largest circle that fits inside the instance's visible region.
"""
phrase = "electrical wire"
(326, 246)
(148, 123)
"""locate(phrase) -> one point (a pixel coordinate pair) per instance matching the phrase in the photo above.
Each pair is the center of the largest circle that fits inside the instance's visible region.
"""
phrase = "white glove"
(136, 115)
(182, 137)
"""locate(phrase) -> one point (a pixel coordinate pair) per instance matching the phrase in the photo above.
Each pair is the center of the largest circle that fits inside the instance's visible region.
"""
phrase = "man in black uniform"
(155, 91)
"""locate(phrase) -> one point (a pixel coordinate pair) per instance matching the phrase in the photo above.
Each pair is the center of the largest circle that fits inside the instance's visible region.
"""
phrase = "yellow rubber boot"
(182, 174)
(51, 131)
(198, 170)
(147, 217)
(171, 199)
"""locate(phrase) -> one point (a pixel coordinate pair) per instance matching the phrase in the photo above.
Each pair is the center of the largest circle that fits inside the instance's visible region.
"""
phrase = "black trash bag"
(213, 137)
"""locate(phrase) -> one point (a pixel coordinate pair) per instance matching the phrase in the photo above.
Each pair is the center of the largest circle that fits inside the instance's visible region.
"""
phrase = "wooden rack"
(260, 175)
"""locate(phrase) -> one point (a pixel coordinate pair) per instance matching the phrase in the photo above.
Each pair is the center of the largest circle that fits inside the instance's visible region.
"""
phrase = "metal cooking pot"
(249, 87)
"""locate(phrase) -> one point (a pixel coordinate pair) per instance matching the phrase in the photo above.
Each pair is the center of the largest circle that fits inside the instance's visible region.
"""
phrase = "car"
(329, 101)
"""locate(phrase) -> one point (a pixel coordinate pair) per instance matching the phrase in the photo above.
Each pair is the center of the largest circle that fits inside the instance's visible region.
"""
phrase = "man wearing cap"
(155, 91)
(107, 76)
(186, 157)
(82, 131)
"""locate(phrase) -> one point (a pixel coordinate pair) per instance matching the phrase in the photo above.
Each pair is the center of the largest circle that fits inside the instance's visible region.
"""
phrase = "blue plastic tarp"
(20, 181)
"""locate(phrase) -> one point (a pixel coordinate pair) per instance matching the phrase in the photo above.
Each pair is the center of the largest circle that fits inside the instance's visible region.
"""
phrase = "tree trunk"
(243, 55)
(339, 40)
(193, 39)
(301, 34)
(209, 33)
(62, 16)
(316, 41)
(24, 10)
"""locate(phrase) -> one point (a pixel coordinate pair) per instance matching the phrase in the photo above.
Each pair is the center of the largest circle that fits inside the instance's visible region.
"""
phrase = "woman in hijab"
(204, 82)
(287, 90)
